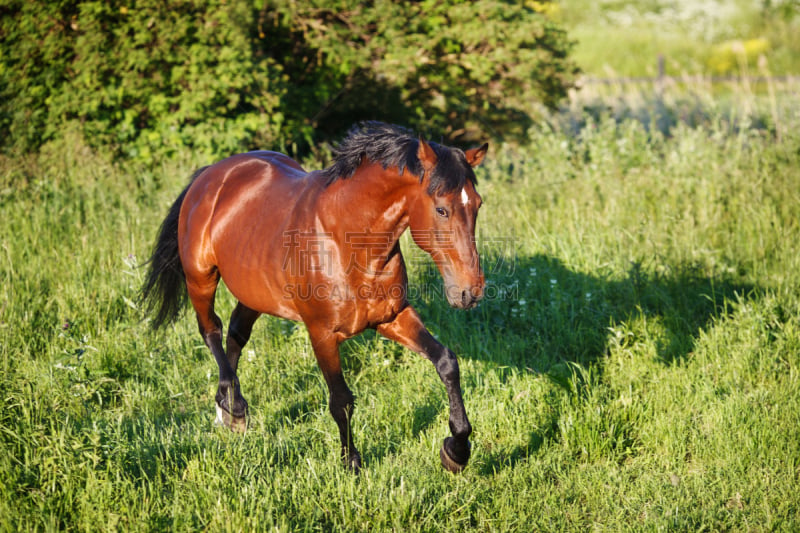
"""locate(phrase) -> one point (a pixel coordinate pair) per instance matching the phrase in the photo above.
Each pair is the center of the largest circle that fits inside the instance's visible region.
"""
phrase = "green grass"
(616, 38)
(636, 367)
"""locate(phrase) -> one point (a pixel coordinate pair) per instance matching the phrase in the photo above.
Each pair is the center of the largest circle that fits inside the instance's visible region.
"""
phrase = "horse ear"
(475, 155)
(426, 155)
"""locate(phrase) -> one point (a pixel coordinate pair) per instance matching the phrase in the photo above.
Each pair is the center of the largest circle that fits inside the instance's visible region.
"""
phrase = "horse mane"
(395, 146)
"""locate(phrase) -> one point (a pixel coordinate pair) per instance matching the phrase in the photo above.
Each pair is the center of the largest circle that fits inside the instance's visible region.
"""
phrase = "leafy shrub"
(151, 77)
(145, 80)
(452, 67)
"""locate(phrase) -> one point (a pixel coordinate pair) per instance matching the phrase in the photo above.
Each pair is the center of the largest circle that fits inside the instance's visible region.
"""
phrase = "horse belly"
(263, 297)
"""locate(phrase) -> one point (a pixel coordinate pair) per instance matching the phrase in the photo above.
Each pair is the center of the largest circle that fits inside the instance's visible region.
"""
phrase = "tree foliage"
(146, 78)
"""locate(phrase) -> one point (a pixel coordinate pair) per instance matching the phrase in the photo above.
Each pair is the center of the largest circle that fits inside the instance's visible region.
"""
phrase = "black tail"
(164, 290)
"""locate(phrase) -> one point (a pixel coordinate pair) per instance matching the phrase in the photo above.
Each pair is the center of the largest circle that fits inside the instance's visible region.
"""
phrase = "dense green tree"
(148, 77)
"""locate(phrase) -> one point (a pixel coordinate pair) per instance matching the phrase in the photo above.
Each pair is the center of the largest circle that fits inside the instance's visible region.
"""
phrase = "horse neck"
(372, 201)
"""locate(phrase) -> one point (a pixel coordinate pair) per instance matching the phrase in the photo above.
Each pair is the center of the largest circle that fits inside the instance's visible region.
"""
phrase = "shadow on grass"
(540, 316)
(538, 313)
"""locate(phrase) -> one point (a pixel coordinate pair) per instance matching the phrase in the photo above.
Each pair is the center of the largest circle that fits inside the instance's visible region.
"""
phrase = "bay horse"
(323, 248)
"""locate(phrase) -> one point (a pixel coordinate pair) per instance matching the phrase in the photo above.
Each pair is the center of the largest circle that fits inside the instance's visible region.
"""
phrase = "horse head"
(442, 219)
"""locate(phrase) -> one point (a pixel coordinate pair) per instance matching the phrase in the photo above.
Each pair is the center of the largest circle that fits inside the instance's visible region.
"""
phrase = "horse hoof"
(237, 424)
(351, 461)
(450, 464)
(353, 464)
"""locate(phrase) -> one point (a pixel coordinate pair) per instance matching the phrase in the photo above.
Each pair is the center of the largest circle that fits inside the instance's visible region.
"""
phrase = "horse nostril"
(468, 299)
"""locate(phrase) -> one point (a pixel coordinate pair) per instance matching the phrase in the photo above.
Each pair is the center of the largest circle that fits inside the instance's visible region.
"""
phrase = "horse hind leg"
(239, 330)
(230, 404)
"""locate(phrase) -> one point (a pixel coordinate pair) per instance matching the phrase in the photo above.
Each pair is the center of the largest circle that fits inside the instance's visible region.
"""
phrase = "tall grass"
(635, 366)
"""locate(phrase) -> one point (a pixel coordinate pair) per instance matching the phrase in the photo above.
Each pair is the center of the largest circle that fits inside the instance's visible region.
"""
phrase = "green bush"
(149, 78)
(143, 80)
(451, 67)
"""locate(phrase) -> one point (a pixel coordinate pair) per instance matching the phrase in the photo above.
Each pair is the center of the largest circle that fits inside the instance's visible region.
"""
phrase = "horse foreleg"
(341, 402)
(407, 329)
(231, 406)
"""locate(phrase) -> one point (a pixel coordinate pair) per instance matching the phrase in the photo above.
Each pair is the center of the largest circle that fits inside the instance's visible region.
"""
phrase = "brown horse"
(323, 248)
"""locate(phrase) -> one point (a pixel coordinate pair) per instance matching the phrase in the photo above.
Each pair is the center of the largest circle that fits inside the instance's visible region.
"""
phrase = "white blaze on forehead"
(464, 197)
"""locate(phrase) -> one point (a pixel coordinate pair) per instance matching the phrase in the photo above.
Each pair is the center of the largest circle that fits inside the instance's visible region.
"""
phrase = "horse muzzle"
(464, 297)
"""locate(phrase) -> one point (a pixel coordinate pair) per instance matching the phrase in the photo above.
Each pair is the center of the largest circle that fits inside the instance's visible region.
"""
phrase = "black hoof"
(352, 462)
(448, 461)
(234, 423)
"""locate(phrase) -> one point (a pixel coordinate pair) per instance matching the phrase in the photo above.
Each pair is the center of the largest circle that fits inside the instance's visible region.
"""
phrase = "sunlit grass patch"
(634, 365)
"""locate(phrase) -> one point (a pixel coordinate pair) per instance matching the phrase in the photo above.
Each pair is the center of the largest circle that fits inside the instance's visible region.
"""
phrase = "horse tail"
(164, 290)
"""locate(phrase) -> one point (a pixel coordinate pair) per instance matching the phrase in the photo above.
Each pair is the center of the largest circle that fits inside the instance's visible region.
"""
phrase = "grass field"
(635, 366)
(719, 37)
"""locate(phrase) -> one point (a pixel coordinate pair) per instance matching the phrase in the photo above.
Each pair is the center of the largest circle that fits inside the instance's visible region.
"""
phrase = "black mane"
(395, 146)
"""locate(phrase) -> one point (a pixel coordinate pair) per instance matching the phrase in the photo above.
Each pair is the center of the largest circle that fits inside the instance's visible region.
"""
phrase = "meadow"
(709, 37)
(635, 365)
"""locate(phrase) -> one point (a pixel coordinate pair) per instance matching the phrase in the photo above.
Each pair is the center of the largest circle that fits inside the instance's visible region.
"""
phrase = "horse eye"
(442, 212)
